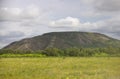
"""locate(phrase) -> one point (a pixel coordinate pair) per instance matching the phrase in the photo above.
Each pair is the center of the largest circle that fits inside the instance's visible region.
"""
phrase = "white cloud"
(18, 14)
(70, 22)
(65, 22)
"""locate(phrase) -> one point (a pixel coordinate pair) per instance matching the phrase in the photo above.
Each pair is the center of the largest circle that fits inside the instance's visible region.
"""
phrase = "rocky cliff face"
(64, 40)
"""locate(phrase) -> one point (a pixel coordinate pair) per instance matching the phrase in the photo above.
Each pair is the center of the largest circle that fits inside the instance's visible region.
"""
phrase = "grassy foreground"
(60, 68)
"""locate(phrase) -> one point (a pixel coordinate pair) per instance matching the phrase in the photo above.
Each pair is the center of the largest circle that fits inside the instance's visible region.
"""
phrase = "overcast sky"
(27, 18)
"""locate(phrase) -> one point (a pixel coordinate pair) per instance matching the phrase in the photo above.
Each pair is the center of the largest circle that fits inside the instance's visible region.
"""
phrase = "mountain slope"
(64, 40)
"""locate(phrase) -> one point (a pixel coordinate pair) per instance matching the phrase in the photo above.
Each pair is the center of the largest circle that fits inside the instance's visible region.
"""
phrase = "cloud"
(96, 10)
(8, 27)
(70, 22)
(18, 14)
(65, 22)
(30, 12)
(12, 34)
(107, 5)
(110, 25)
(8, 37)
(9, 14)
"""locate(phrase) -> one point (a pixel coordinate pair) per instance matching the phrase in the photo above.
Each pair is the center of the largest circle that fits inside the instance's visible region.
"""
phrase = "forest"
(68, 52)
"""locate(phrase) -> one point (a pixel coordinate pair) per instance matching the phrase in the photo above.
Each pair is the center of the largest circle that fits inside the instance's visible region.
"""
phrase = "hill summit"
(64, 40)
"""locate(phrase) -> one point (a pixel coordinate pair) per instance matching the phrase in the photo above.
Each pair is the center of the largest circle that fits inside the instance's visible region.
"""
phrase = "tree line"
(75, 52)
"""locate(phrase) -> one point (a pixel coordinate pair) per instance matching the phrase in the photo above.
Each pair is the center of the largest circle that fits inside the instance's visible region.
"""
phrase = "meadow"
(60, 68)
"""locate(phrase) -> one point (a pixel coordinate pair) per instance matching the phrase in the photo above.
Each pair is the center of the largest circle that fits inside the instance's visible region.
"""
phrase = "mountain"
(64, 40)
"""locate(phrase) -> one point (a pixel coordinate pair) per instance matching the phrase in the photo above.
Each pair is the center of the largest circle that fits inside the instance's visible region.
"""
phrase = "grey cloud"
(115, 35)
(10, 37)
(110, 27)
(107, 5)
(13, 34)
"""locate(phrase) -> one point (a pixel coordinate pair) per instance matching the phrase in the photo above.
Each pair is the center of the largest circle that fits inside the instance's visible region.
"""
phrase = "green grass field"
(60, 68)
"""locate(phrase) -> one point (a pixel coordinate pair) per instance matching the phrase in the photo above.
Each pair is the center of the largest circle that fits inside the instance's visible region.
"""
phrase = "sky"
(27, 18)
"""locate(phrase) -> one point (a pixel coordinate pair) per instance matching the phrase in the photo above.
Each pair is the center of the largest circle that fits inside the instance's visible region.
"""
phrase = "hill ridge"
(64, 40)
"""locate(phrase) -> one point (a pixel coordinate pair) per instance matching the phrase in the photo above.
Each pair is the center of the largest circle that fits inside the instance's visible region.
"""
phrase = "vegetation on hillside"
(76, 52)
